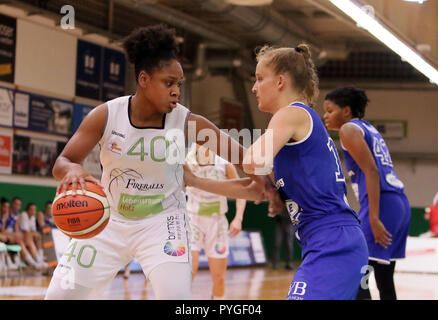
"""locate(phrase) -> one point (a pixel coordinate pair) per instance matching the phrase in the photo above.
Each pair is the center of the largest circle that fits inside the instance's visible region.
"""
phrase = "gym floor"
(256, 283)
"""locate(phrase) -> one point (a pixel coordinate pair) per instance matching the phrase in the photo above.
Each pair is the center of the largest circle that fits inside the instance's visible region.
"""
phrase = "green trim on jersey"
(209, 208)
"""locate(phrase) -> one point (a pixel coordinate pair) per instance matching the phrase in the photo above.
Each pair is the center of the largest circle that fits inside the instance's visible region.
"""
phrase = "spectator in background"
(9, 230)
(432, 216)
(284, 231)
(45, 219)
(32, 238)
(11, 226)
(15, 208)
(3, 218)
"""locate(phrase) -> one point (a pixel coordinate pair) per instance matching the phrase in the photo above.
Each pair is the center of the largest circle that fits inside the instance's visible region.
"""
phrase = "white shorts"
(210, 233)
(96, 261)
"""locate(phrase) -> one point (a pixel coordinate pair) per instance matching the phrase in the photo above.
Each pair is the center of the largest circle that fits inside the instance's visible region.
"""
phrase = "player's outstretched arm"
(68, 168)
(243, 188)
(209, 135)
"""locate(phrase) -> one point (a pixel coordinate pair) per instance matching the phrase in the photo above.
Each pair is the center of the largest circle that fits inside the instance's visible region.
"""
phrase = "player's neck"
(288, 98)
(143, 114)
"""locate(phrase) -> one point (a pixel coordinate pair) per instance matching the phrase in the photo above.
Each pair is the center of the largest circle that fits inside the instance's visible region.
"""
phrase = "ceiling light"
(368, 22)
(249, 2)
(418, 1)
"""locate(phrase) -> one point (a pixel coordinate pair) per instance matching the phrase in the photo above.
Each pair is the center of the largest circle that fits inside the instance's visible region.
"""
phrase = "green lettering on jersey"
(140, 206)
(153, 148)
(142, 154)
(139, 144)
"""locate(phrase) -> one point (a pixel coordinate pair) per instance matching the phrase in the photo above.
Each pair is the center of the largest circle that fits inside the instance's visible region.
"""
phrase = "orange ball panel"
(74, 213)
(92, 233)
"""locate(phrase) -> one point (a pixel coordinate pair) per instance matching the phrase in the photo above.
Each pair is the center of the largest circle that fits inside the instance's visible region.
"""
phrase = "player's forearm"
(373, 188)
(233, 188)
(240, 209)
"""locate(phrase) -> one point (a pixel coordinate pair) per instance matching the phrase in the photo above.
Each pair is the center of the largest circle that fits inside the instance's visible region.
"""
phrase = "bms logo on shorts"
(174, 232)
(220, 248)
(171, 251)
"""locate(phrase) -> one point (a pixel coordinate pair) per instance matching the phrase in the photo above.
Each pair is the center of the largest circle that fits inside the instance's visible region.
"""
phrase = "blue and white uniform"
(309, 177)
(395, 212)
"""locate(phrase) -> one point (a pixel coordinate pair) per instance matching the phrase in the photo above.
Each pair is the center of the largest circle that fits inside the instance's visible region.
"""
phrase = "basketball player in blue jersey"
(308, 174)
(148, 215)
(384, 209)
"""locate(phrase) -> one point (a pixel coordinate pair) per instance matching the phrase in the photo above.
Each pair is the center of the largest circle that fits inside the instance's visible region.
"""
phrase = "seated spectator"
(32, 238)
(15, 208)
(3, 217)
(14, 236)
(432, 216)
(11, 223)
(45, 219)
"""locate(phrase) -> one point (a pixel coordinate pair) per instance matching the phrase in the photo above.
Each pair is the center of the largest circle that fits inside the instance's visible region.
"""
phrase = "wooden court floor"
(255, 283)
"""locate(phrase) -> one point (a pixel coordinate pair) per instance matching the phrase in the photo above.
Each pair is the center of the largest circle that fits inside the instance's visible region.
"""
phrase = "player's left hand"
(381, 235)
(235, 227)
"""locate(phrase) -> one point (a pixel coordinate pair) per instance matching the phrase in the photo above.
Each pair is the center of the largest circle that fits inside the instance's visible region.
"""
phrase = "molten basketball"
(81, 216)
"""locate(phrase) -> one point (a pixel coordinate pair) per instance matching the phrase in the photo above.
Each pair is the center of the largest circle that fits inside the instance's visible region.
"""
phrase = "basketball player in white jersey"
(207, 211)
(148, 210)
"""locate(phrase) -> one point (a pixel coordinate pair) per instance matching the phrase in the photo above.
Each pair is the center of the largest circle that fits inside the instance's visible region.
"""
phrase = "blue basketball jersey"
(310, 180)
(389, 181)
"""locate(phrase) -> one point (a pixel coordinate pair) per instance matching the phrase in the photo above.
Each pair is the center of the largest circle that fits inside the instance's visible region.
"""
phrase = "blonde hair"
(297, 63)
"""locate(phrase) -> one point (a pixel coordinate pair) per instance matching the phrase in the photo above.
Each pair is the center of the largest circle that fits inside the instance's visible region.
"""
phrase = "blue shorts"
(333, 265)
(395, 214)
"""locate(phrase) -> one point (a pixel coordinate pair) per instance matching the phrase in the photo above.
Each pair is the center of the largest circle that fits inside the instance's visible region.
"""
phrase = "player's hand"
(189, 176)
(77, 176)
(276, 204)
(235, 227)
(381, 235)
(267, 187)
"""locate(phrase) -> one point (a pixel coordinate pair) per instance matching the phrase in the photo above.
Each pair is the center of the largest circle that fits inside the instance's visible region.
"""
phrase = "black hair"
(16, 198)
(353, 97)
(29, 205)
(4, 200)
(148, 47)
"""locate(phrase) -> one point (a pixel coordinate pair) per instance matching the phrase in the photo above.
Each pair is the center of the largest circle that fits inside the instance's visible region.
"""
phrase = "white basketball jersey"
(138, 178)
(202, 202)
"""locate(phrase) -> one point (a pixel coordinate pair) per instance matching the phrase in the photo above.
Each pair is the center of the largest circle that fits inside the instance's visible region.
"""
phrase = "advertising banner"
(246, 249)
(21, 110)
(88, 70)
(113, 84)
(79, 113)
(6, 107)
(5, 153)
(42, 114)
(20, 155)
(8, 34)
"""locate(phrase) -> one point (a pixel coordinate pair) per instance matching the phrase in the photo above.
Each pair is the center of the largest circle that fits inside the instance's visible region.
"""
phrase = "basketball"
(81, 216)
